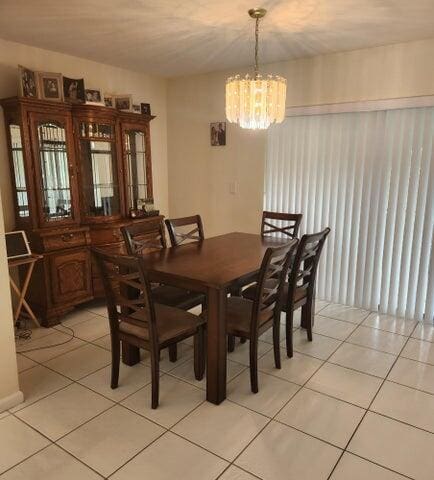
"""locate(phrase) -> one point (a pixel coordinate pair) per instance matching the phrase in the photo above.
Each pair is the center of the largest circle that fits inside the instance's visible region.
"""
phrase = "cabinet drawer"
(64, 240)
(104, 236)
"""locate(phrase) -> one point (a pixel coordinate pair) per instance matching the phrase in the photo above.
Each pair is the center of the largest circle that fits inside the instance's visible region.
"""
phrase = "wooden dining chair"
(144, 237)
(286, 224)
(299, 292)
(185, 230)
(135, 319)
(249, 319)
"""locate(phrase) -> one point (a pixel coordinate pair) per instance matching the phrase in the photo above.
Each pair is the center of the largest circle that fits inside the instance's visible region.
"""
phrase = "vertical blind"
(369, 176)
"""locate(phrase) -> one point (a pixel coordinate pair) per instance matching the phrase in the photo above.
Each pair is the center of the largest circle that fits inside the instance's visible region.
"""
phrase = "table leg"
(216, 346)
(130, 354)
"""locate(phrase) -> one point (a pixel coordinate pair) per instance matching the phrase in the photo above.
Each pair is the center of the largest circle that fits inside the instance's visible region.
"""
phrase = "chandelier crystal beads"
(255, 102)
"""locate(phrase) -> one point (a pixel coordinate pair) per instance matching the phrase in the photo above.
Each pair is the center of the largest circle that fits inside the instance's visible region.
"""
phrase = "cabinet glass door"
(137, 168)
(53, 156)
(19, 172)
(98, 167)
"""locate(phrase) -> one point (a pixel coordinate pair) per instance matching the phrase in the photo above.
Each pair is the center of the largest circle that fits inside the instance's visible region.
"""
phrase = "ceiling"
(172, 38)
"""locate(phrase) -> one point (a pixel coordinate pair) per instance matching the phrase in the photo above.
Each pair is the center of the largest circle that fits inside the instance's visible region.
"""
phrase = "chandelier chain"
(256, 47)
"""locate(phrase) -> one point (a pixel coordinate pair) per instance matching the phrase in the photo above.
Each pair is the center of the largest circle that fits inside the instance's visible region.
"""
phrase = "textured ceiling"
(171, 38)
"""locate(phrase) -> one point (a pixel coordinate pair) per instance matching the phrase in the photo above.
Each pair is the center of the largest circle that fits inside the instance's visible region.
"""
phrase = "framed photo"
(94, 96)
(50, 86)
(73, 90)
(136, 108)
(109, 101)
(145, 108)
(218, 134)
(28, 82)
(124, 102)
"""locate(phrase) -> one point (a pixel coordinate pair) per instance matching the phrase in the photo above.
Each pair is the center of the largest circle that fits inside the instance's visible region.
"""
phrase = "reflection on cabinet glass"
(18, 164)
(135, 150)
(100, 179)
(54, 168)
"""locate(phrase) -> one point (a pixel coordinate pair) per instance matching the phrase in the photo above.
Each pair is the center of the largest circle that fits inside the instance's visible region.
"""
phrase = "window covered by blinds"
(369, 176)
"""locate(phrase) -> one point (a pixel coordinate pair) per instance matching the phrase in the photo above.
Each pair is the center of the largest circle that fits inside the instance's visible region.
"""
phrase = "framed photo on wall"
(73, 90)
(28, 82)
(50, 86)
(218, 134)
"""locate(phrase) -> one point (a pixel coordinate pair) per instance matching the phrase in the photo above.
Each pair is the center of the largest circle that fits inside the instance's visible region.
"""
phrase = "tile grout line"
(369, 410)
(186, 382)
(272, 419)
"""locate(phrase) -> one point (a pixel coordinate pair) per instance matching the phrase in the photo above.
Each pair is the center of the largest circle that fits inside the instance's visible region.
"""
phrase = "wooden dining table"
(210, 266)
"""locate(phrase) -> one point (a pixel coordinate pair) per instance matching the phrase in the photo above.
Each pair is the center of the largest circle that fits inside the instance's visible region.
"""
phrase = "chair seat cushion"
(239, 315)
(176, 297)
(250, 293)
(171, 323)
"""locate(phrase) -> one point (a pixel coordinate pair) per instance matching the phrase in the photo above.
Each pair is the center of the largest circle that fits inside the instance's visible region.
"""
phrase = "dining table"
(209, 266)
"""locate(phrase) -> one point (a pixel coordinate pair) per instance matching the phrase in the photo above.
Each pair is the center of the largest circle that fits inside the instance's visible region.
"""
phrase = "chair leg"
(307, 318)
(155, 372)
(254, 365)
(116, 358)
(276, 344)
(289, 327)
(231, 343)
(199, 354)
(173, 352)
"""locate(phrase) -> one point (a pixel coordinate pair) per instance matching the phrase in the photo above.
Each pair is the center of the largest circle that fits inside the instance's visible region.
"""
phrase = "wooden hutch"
(77, 170)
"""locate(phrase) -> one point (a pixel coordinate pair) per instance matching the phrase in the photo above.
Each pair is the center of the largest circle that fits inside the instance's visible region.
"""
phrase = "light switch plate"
(233, 187)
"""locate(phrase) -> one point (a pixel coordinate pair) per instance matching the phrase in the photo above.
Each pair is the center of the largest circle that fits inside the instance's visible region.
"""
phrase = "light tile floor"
(356, 403)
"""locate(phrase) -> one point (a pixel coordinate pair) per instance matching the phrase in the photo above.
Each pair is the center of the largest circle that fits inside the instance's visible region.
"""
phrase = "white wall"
(9, 390)
(200, 175)
(144, 88)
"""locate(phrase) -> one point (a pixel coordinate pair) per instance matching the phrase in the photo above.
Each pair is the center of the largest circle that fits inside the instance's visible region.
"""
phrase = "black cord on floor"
(25, 333)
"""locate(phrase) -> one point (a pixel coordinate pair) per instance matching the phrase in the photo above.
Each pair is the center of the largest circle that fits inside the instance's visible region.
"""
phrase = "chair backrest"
(271, 280)
(284, 223)
(185, 230)
(128, 292)
(305, 266)
(144, 237)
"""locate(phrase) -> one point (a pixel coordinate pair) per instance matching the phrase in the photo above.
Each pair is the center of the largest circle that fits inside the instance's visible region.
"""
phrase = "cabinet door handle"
(67, 236)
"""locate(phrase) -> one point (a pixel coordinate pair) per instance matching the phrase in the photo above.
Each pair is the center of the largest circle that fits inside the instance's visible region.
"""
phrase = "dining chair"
(136, 319)
(249, 319)
(278, 222)
(299, 290)
(288, 225)
(186, 229)
(145, 237)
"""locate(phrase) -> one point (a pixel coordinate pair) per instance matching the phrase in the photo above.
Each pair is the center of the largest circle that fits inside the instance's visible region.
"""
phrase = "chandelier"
(255, 102)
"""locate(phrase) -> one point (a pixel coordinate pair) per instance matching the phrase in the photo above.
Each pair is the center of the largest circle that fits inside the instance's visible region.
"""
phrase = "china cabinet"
(78, 171)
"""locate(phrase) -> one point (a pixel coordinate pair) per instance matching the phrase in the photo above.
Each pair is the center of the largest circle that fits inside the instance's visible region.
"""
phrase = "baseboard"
(11, 401)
